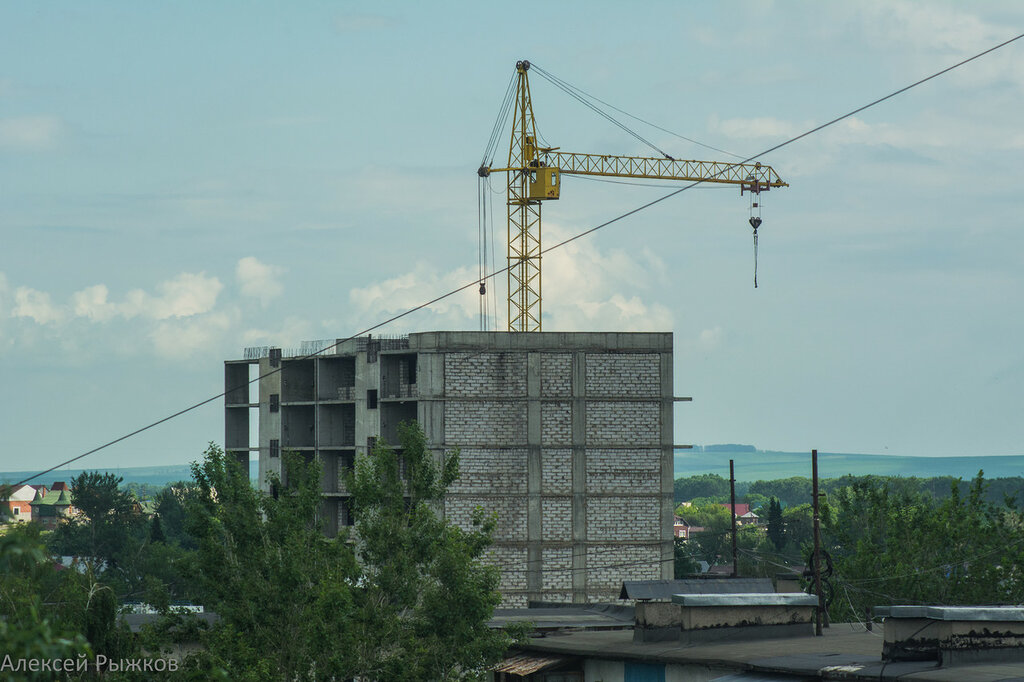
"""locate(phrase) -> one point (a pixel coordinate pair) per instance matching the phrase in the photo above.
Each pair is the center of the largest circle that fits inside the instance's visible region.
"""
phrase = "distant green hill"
(768, 465)
(158, 476)
(750, 466)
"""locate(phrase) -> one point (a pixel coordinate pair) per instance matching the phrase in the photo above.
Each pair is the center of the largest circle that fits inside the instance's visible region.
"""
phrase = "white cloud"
(588, 289)
(178, 319)
(178, 339)
(929, 26)
(258, 279)
(30, 132)
(583, 289)
(92, 303)
(381, 300)
(290, 333)
(755, 128)
(36, 305)
(186, 295)
(4, 288)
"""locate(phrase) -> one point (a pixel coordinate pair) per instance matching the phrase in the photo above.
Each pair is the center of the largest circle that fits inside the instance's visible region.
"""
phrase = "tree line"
(885, 540)
(405, 596)
(796, 490)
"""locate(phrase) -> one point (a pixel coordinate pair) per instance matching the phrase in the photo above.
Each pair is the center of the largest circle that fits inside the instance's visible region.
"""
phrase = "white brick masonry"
(494, 423)
(556, 523)
(609, 566)
(625, 423)
(557, 568)
(489, 470)
(485, 375)
(556, 470)
(623, 375)
(556, 423)
(623, 518)
(511, 513)
(624, 471)
(510, 561)
(556, 374)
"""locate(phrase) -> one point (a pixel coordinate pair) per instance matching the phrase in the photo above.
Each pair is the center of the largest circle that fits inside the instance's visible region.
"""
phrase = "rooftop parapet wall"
(692, 618)
(601, 342)
(953, 635)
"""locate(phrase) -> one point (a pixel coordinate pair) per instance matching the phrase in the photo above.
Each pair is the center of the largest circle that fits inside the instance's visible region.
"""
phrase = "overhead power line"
(476, 282)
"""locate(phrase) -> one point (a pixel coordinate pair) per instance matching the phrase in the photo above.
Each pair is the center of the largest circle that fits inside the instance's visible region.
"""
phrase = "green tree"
(424, 596)
(30, 626)
(106, 533)
(790, 491)
(776, 531)
(406, 598)
(700, 486)
(798, 525)
(758, 503)
(685, 564)
(171, 503)
(282, 589)
(893, 544)
(713, 544)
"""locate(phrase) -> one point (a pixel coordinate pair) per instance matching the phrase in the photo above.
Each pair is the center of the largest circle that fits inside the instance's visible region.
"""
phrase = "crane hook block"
(755, 223)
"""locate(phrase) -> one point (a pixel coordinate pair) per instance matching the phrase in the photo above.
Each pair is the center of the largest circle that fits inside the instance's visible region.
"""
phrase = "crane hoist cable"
(755, 222)
(499, 123)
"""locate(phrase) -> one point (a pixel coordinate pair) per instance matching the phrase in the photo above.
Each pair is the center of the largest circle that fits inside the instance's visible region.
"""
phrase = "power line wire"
(560, 244)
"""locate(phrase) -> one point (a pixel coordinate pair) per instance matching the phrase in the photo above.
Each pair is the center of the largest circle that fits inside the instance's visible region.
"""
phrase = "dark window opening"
(275, 448)
(371, 399)
(275, 402)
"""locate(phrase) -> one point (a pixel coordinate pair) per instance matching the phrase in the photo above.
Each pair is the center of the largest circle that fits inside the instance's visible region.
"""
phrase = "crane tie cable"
(567, 89)
(582, 92)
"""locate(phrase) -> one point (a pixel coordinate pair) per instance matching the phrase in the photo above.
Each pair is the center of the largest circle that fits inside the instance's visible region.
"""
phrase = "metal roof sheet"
(527, 664)
(664, 590)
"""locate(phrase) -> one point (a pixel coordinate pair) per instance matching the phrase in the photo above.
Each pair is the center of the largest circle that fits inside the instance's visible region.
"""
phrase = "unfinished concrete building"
(567, 436)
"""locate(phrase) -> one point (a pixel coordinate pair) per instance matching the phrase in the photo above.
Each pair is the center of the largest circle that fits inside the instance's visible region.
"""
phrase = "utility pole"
(732, 499)
(817, 544)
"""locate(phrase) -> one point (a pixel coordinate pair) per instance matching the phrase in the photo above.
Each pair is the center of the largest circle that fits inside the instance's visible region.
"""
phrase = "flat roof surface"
(600, 616)
(845, 652)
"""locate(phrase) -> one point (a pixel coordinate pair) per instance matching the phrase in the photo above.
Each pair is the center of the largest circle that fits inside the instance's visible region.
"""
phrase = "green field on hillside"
(768, 465)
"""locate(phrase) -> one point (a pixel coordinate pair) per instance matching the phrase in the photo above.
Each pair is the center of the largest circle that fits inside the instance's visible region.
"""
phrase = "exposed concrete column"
(534, 582)
(430, 405)
(667, 468)
(367, 420)
(579, 477)
(270, 422)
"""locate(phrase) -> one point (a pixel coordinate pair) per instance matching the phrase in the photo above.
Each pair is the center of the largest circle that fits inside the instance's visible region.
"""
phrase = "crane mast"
(533, 175)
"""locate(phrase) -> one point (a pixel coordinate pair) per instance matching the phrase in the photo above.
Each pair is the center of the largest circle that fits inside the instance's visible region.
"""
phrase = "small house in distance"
(49, 508)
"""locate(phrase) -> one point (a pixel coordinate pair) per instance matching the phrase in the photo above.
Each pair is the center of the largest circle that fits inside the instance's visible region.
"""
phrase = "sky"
(181, 181)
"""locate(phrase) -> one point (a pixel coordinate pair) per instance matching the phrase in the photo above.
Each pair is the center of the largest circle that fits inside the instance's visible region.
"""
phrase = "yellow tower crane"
(533, 177)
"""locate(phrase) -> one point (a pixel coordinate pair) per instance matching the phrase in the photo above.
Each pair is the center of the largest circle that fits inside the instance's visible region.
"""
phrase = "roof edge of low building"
(657, 342)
